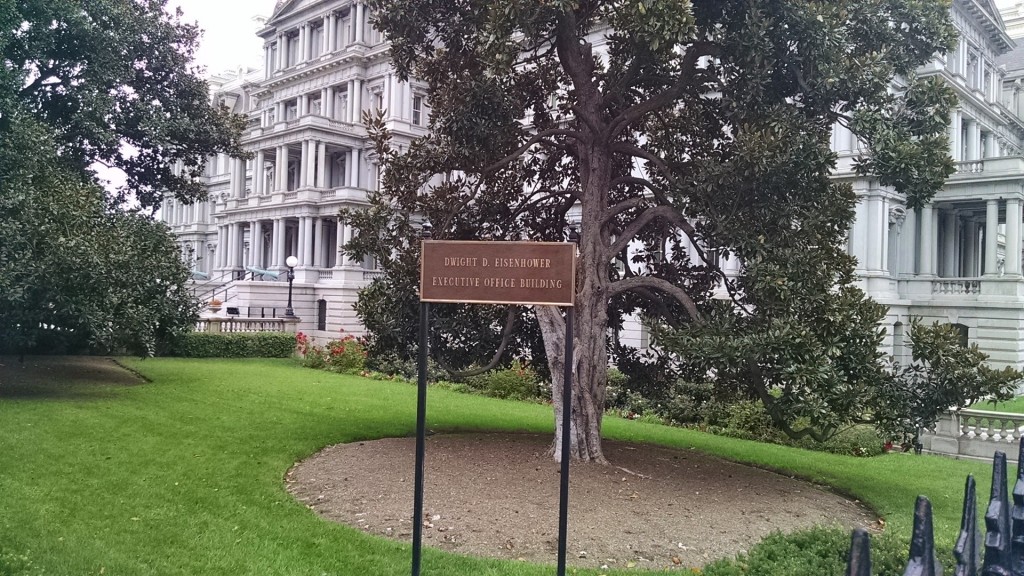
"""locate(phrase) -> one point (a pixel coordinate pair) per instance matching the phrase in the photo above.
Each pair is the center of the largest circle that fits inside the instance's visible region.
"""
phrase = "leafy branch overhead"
(114, 80)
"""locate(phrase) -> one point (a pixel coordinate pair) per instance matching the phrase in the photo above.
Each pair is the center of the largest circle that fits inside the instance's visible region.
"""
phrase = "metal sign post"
(541, 273)
(563, 493)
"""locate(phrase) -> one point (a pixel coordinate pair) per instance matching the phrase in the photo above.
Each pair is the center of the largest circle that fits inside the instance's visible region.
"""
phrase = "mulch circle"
(496, 495)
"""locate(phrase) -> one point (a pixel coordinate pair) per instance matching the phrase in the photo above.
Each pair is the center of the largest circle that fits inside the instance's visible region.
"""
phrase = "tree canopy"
(677, 134)
(115, 82)
(108, 82)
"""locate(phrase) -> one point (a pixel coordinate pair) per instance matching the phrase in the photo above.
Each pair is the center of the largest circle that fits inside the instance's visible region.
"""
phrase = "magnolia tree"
(675, 132)
(103, 82)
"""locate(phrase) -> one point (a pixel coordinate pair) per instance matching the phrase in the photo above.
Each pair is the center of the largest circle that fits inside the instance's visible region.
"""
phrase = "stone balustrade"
(973, 433)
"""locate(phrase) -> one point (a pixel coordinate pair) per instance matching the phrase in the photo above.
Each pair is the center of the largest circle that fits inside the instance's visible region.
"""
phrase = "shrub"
(814, 552)
(517, 382)
(244, 345)
(347, 355)
(392, 365)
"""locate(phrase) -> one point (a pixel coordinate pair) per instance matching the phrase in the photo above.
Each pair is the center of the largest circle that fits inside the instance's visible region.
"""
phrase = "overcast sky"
(229, 37)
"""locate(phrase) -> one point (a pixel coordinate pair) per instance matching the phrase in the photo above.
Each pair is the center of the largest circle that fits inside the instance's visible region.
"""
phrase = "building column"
(1013, 217)
(877, 221)
(281, 170)
(301, 240)
(329, 102)
(306, 247)
(991, 236)
(219, 254)
(278, 243)
(948, 218)
(360, 16)
(318, 241)
(321, 165)
(303, 41)
(258, 171)
(234, 244)
(357, 108)
(927, 245)
(331, 31)
(908, 244)
(859, 233)
(973, 140)
(955, 135)
(303, 162)
(233, 178)
(256, 244)
(282, 49)
(356, 153)
(311, 153)
(342, 259)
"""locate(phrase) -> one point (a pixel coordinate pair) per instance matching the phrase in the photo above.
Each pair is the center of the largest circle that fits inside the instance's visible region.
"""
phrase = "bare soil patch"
(496, 495)
(60, 375)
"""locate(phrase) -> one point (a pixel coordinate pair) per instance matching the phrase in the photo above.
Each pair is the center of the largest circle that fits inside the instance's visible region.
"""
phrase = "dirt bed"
(497, 495)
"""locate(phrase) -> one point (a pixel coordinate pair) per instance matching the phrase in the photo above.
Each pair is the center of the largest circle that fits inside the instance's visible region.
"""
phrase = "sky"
(229, 37)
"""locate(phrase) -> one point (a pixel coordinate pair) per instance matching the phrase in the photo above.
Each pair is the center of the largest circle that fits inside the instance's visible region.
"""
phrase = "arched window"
(964, 333)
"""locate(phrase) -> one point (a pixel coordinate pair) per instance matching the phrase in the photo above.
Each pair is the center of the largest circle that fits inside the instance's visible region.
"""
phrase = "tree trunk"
(585, 424)
(591, 319)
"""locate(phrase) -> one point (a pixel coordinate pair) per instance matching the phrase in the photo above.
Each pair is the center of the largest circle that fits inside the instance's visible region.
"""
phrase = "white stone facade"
(325, 66)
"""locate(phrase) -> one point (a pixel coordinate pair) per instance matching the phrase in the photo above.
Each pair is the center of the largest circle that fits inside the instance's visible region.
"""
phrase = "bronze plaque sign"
(498, 272)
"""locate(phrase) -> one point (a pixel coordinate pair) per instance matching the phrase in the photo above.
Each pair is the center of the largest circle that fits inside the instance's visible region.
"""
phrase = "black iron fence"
(1004, 533)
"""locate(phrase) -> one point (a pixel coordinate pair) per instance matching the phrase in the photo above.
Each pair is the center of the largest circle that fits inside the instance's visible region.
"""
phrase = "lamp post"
(290, 262)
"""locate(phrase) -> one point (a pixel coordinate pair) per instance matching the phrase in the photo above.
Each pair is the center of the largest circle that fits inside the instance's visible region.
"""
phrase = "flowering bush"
(347, 355)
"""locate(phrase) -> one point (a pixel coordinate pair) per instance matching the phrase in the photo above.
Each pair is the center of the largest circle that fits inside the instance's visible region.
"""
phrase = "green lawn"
(1015, 405)
(183, 476)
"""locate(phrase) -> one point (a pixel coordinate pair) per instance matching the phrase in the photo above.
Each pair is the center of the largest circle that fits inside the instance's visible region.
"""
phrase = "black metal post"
(421, 442)
(289, 311)
(563, 495)
(421, 430)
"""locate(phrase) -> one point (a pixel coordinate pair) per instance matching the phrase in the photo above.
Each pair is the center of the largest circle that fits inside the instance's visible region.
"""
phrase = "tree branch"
(661, 285)
(506, 338)
(538, 137)
(637, 225)
(696, 51)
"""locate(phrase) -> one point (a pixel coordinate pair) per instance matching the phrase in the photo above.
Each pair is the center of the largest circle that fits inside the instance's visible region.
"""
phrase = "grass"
(1014, 405)
(183, 476)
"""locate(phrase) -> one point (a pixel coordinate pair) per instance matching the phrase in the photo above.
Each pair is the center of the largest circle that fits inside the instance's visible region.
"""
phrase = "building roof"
(1012, 60)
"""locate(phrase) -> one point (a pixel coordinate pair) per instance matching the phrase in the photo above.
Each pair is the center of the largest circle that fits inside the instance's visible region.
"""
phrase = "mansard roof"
(986, 14)
(1012, 60)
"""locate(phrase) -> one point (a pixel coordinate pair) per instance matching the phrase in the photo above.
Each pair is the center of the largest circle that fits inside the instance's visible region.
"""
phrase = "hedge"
(244, 345)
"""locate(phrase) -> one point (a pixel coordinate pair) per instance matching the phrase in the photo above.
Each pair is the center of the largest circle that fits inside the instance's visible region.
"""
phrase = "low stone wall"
(973, 433)
(230, 325)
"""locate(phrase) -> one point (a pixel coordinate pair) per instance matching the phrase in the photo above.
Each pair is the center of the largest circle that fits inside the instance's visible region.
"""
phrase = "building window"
(293, 50)
(291, 110)
(341, 106)
(417, 110)
(316, 37)
(345, 31)
(273, 57)
(321, 314)
(316, 107)
(338, 166)
(964, 334)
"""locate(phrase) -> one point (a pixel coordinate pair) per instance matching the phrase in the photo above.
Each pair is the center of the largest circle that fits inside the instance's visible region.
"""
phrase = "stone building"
(325, 66)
